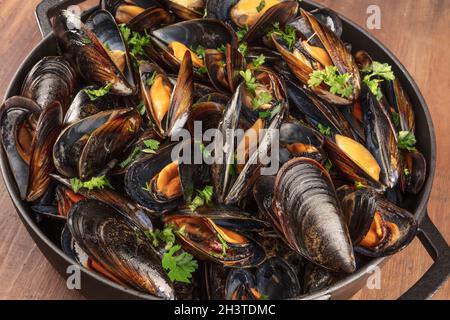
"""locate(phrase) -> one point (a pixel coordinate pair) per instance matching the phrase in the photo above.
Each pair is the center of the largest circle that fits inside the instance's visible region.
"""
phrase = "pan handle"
(438, 273)
(47, 8)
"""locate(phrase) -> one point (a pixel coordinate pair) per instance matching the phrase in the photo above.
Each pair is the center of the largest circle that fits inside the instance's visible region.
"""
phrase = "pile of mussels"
(90, 143)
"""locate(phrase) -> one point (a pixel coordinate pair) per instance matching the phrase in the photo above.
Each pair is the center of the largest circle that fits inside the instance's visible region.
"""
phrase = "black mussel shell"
(310, 215)
(240, 285)
(13, 113)
(414, 172)
(141, 187)
(119, 246)
(205, 239)
(41, 165)
(51, 79)
(83, 106)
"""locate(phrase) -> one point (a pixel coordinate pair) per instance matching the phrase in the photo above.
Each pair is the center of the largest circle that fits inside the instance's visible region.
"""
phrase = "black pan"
(95, 286)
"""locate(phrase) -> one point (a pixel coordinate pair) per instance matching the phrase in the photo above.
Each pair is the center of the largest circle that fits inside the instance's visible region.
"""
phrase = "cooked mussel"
(354, 161)
(310, 215)
(119, 246)
(84, 148)
(154, 181)
(381, 138)
(379, 227)
(17, 135)
(84, 106)
(317, 48)
(48, 127)
(204, 238)
(166, 104)
(173, 41)
(139, 15)
(414, 172)
(51, 79)
(97, 49)
(187, 9)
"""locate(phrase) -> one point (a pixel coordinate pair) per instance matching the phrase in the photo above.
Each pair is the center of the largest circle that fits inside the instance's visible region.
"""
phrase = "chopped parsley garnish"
(261, 6)
(375, 74)
(259, 61)
(94, 94)
(263, 98)
(271, 113)
(151, 146)
(94, 183)
(141, 108)
(250, 81)
(205, 153)
(243, 49)
(339, 83)
(149, 82)
(395, 116)
(125, 163)
(406, 141)
(222, 48)
(136, 42)
(224, 244)
(406, 172)
(200, 51)
(359, 185)
(179, 267)
(328, 165)
(203, 197)
(263, 297)
(326, 131)
(202, 70)
(241, 33)
(86, 40)
(166, 236)
(289, 34)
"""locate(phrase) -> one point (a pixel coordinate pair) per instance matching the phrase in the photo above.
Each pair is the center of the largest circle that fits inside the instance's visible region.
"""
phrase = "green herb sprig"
(375, 74)
(100, 182)
(95, 94)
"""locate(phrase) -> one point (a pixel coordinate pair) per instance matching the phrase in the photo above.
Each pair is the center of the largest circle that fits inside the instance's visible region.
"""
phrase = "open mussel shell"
(301, 141)
(310, 215)
(333, 52)
(316, 278)
(97, 49)
(15, 137)
(379, 227)
(274, 280)
(154, 181)
(48, 128)
(400, 101)
(139, 15)
(83, 106)
(207, 33)
(381, 138)
(414, 172)
(330, 19)
(205, 114)
(187, 9)
(166, 104)
(119, 246)
(85, 148)
(354, 161)
(51, 79)
(281, 13)
(208, 241)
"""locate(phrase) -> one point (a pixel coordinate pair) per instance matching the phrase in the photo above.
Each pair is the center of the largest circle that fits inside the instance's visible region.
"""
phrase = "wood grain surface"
(417, 33)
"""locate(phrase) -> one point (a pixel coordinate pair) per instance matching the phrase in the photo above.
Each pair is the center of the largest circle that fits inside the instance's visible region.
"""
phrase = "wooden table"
(416, 31)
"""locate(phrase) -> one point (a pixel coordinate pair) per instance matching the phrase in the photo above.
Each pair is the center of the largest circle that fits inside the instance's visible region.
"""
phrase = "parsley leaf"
(250, 80)
(152, 145)
(241, 33)
(382, 71)
(243, 49)
(224, 244)
(136, 42)
(406, 172)
(263, 98)
(339, 83)
(406, 141)
(86, 41)
(203, 197)
(141, 108)
(200, 51)
(202, 70)
(166, 236)
(149, 82)
(259, 61)
(180, 267)
(99, 182)
(125, 163)
(271, 113)
(94, 94)
(395, 116)
(261, 6)
(328, 165)
(326, 131)
(289, 34)
(359, 185)
(222, 48)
